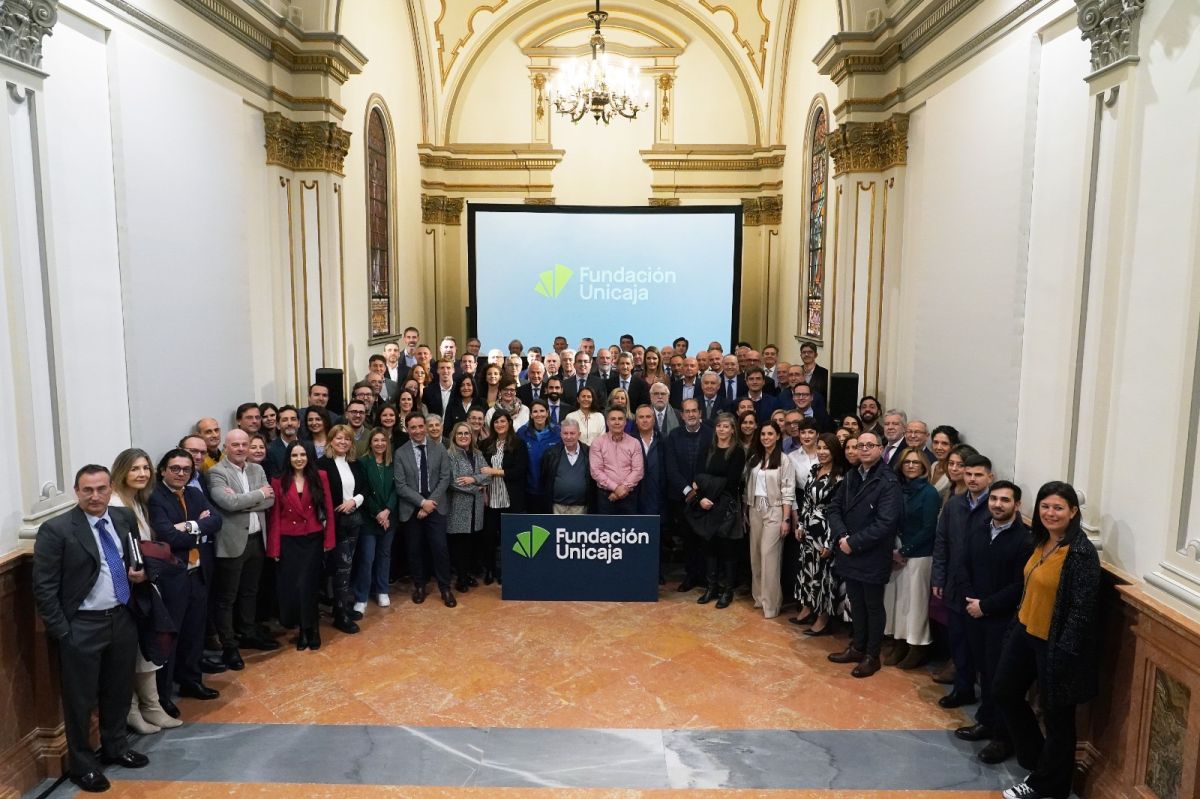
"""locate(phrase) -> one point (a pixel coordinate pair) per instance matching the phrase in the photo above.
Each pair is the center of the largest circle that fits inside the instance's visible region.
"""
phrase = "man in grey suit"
(422, 469)
(666, 418)
(240, 489)
(82, 582)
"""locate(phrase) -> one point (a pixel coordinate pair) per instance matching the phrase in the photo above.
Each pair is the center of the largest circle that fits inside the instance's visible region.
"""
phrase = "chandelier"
(593, 88)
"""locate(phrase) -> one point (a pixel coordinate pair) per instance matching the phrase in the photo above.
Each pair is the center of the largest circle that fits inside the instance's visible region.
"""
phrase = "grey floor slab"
(569, 758)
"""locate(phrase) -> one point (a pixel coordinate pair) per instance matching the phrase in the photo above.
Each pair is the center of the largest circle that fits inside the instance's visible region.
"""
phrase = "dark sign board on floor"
(597, 558)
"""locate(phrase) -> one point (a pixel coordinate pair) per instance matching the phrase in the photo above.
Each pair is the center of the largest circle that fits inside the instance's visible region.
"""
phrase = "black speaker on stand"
(333, 380)
(843, 394)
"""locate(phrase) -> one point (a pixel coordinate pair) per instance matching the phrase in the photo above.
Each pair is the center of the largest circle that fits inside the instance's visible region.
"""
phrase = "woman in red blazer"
(299, 532)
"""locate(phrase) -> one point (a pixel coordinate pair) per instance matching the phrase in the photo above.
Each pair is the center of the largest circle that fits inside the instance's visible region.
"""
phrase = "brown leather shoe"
(897, 653)
(946, 675)
(847, 655)
(915, 658)
(866, 667)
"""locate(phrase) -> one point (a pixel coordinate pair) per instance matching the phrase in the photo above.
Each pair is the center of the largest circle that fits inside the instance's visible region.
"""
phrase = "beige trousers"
(569, 510)
(766, 554)
(906, 602)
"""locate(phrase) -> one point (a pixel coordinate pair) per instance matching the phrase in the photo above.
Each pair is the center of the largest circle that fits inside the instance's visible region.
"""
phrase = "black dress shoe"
(314, 638)
(448, 599)
(472, 582)
(462, 586)
(973, 732)
(354, 615)
(211, 666)
(343, 622)
(197, 690)
(996, 752)
(128, 759)
(302, 640)
(826, 630)
(709, 595)
(866, 667)
(955, 699)
(260, 643)
(418, 595)
(488, 577)
(92, 782)
(232, 658)
(725, 601)
(809, 619)
(847, 655)
(169, 707)
(687, 585)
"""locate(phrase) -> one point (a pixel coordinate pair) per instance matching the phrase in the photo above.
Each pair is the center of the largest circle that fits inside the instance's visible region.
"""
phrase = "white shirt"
(347, 482)
(102, 596)
(803, 463)
(573, 456)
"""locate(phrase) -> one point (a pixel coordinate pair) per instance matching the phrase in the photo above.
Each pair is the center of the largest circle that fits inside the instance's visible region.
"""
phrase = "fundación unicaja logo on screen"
(529, 543)
(552, 282)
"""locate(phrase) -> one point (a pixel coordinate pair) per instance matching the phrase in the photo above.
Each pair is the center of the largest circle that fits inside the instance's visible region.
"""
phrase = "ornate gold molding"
(749, 23)
(758, 211)
(714, 165)
(305, 146)
(23, 25)
(869, 146)
(661, 202)
(540, 201)
(439, 210)
(429, 160)
(464, 23)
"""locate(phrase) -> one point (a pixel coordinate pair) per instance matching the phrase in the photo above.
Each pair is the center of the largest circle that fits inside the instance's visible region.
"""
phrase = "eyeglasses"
(867, 446)
(179, 469)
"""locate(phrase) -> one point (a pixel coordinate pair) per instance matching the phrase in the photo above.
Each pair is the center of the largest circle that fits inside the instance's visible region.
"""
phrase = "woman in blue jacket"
(539, 435)
(906, 598)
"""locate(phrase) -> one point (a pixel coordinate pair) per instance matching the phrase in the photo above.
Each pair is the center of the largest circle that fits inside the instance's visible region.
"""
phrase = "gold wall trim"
(447, 56)
(430, 161)
(305, 146)
(307, 103)
(438, 210)
(760, 29)
(757, 211)
(286, 185)
(485, 188)
(716, 188)
(540, 201)
(712, 164)
(888, 185)
(832, 326)
(869, 146)
(657, 202)
(870, 285)
(337, 191)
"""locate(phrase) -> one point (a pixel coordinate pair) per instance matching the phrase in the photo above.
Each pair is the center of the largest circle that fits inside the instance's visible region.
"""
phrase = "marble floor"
(588, 700)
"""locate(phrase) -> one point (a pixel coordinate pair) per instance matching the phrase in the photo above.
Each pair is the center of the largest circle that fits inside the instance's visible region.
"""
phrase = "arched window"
(378, 225)
(818, 183)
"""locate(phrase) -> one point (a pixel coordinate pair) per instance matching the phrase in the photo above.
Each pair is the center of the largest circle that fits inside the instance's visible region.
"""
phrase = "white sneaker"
(359, 607)
(383, 599)
(1022, 790)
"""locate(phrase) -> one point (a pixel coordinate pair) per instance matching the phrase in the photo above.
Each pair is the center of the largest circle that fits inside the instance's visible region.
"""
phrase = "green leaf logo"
(530, 542)
(553, 281)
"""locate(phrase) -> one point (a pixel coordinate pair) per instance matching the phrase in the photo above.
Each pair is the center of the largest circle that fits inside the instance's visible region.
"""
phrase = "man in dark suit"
(666, 418)
(635, 387)
(557, 409)
(864, 518)
(995, 580)
(422, 477)
(815, 375)
(803, 401)
(684, 447)
(584, 377)
(685, 384)
(764, 403)
(82, 582)
(733, 385)
(182, 517)
(710, 400)
(535, 388)
(440, 393)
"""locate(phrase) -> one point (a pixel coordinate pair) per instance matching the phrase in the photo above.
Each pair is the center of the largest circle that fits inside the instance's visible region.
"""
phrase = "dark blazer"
(819, 382)
(550, 461)
(639, 392)
(165, 513)
(652, 491)
(869, 511)
(330, 469)
(525, 392)
(994, 571)
(66, 564)
(408, 478)
(456, 413)
(681, 469)
(676, 399)
(764, 406)
(718, 405)
(432, 398)
(950, 547)
(564, 408)
(593, 381)
(516, 470)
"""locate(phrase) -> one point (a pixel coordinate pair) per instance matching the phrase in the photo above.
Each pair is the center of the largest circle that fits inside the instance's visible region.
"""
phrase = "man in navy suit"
(182, 517)
(710, 400)
(635, 387)
(82, 582)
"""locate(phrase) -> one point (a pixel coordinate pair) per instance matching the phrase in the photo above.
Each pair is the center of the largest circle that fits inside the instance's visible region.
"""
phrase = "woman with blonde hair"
(347, 487)
(652, 368)
(465, 522)
(133, 482)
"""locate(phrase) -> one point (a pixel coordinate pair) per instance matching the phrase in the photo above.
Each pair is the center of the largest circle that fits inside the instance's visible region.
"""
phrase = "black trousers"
(1049, 757)
(235, 586)
(299, 578)
(866, 608)
(187, 603)
(462, 553)
(429, 531)
(339, 563)
(97, 661)
(960, 651)
(489, 545)
(986, 638)
(694, 547)
(628, 504)
(720, 562)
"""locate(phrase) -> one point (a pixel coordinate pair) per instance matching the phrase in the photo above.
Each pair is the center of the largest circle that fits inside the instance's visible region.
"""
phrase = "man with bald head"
(732, 384)
(241, 491)
(209, 430)
(535, 388)
(685, 384)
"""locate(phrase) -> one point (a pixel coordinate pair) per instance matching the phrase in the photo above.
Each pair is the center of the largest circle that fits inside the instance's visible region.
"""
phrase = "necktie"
(536, 392)
(194, 552)
(624, 385)
(729, 390)
(116, 566)
(708, 407)
(423, 465)
(658, 427)
(554, 414)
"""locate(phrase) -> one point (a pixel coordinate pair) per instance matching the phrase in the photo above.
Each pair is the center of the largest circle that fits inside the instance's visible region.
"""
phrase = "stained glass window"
(378, 215)
(818, 185)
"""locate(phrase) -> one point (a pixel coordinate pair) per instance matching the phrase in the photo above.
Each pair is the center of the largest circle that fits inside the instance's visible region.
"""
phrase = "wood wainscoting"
(1141, 736)
(32, 743)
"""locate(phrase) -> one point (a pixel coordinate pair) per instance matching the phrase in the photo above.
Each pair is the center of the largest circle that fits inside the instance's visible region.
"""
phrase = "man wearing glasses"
(802, 398)
(864, 518)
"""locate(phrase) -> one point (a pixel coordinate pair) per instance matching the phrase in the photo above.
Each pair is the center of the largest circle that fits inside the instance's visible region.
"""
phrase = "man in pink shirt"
(615, 460)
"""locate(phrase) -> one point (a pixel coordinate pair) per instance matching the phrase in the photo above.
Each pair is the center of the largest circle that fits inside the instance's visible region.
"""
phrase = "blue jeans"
(374, 561)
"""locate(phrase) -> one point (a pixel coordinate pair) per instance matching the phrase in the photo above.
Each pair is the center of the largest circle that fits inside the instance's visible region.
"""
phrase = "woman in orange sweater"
(299, 532)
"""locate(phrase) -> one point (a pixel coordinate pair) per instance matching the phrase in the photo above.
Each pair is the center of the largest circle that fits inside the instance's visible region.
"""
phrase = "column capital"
(1111, 28)
(23, 25)
(439, 210)
(869, 146)
(305, 146)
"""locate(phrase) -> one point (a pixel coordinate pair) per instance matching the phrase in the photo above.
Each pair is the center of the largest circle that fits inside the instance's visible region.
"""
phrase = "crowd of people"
(869, 520)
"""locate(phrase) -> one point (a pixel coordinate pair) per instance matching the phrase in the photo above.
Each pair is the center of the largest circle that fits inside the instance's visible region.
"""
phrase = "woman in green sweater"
(374, 561)
(906, 597)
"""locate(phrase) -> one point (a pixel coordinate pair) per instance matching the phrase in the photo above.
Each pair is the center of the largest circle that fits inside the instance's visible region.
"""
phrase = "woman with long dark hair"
(374, 555)
(943, 439)
(588, 416)
(300, 528)
(956, 481)
(317, 422)
(347, 484)
(506, 467)
(1053, 642)
(852, 423)
(747, 430)
(817, 588)
(462, 400)
(770, 499)
(489, 393)
(270, 420)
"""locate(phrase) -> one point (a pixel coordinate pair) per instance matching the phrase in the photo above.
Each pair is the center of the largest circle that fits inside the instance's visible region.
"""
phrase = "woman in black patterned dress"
(816, 584)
